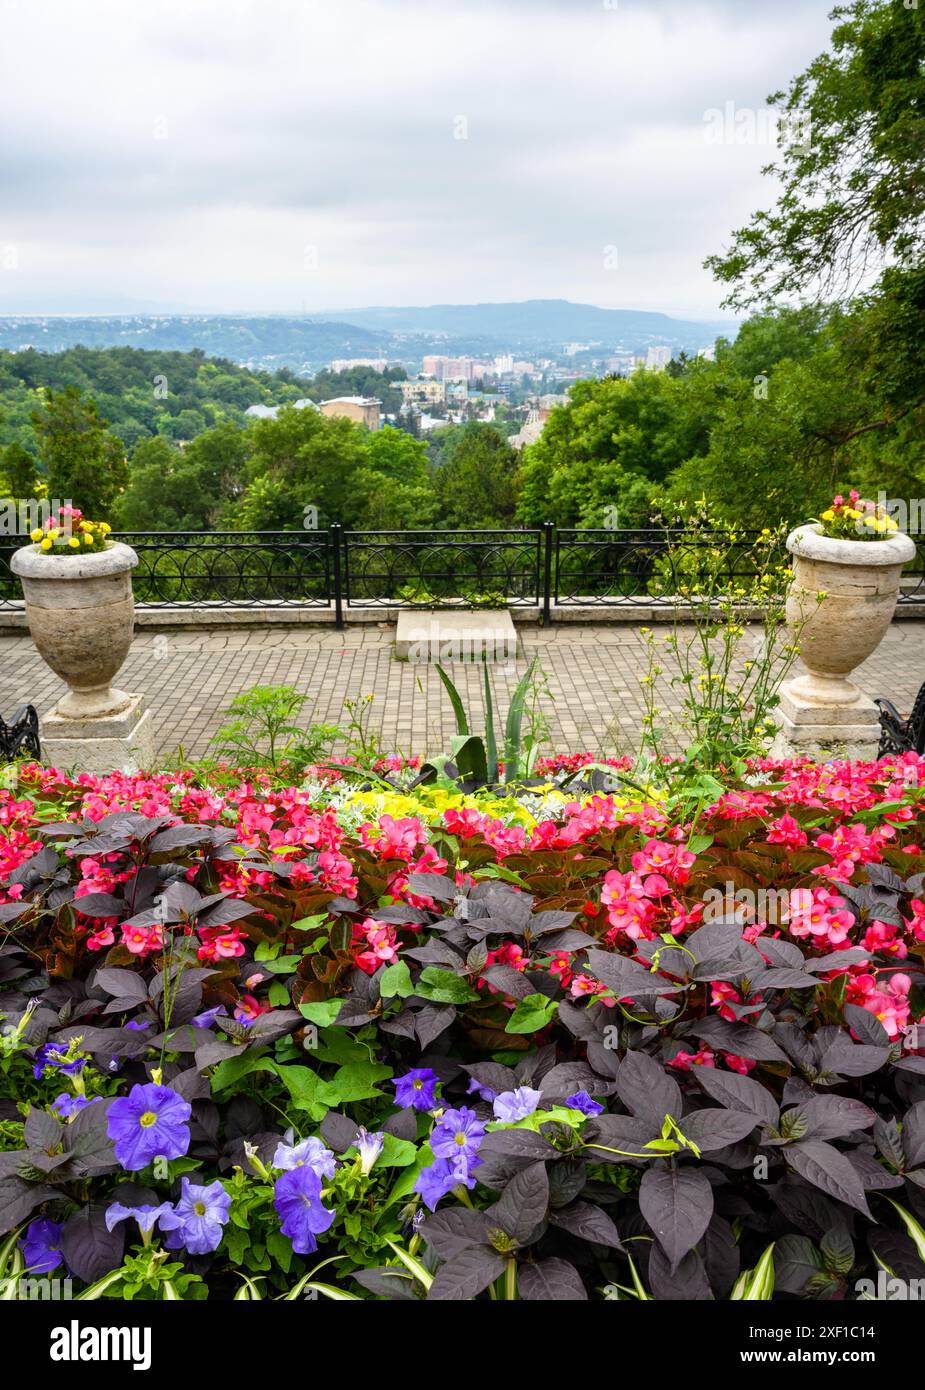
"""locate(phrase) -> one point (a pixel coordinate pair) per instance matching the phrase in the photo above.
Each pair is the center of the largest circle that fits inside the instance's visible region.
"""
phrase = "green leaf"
(462, 726)
(512, 736)
(470, 757)
(309, 923)
(699, 843)
(531, 1014)
(324, 1013)
(235, 1068)
(491, 745)
(355, 1081)
(278, 994)
(396, 1153)
(396, 980)
(305, 1088)
(444, 987)
(283, 965)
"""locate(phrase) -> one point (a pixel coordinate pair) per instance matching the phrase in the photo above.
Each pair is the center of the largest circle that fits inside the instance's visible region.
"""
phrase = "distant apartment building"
(453, 368)
(657, 358)
(346, 364)
(707, 353)
(362, 410)
(422, 392)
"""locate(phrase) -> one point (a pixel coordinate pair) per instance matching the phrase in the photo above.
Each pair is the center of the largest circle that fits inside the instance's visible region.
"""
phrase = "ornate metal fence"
(338, 569)
(443, 569)
(232, 569)
(605, 568)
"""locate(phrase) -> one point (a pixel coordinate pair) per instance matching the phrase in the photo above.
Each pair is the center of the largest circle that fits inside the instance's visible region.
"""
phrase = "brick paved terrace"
(591, 672)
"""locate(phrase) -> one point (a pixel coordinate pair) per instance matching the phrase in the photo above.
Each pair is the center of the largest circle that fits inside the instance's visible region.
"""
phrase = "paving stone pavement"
(592, 694)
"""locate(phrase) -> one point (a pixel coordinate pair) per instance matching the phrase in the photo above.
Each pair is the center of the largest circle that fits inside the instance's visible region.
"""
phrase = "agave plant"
(472, 761)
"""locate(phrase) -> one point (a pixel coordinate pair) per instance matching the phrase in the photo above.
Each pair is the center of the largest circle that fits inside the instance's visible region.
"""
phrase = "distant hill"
(306, 344)
(301, 344)
(539, 321)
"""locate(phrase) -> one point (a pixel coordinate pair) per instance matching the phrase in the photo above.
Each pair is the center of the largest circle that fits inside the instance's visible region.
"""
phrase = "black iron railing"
(440, 569)
(545, 567)
(601, 568)
(232, 569)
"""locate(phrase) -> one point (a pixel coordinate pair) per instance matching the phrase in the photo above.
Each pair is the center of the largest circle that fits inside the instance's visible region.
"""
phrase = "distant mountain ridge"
(533, 320)
(305, 343)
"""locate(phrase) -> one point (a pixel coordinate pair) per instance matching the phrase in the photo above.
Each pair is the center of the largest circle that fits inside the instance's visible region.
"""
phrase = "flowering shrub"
(577, 1047)
(67, 532)
(857, 520)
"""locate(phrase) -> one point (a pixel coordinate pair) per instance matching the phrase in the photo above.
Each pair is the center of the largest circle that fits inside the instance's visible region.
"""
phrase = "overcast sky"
(290, 156)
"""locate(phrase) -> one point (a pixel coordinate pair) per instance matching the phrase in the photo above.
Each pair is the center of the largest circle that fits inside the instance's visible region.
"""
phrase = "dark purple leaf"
(467, 1273)
(738, 1093)
(913, 1135)
(647, 1090)
(523, 1204)
(677, 1204)
(455, 1229)
(829, 1170)
(90, 1250)
(687, 1283)
(832, 1117)
(717, 1129)
(587, 1222)
(551, 1281)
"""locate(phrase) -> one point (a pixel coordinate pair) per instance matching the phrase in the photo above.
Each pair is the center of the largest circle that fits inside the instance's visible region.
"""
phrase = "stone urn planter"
(80, 613)
(823, 710)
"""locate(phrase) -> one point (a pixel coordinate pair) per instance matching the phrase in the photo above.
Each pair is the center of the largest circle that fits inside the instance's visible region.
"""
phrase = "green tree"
(83, 462)
(851, 166)
(475, 485)
(17, 471)
(398, 455)
(613, 443)
(300, 459)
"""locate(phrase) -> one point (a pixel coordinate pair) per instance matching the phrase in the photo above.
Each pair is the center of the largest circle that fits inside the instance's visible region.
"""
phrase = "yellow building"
(362, 410)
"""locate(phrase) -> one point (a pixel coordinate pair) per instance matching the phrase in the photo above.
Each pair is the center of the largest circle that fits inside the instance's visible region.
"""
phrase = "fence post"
(548, 531)
(336, 540)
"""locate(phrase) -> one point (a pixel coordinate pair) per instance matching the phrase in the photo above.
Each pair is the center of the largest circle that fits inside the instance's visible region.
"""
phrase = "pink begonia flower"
(703, 1057)
(743, 1065)
(785, 831)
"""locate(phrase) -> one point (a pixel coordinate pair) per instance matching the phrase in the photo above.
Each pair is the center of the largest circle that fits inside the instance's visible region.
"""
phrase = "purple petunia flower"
(475, 1088)
(583, 1102)
(309, 1153)
(208, 1016)
(442, 1176)
(40, 1246)
(415, 1090)
(369, 1147)
(52, 1055)
(146, 1216)
(297, 1199)
(150, 1122)
(511, 1106)
(65, 1105)
(137, 1025)
(458, 1135)
(195, 1223)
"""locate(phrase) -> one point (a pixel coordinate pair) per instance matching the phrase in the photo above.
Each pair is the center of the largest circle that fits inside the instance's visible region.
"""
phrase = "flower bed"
(403, 1044)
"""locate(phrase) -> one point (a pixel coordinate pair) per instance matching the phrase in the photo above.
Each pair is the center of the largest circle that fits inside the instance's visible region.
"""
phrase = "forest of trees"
(823, 388)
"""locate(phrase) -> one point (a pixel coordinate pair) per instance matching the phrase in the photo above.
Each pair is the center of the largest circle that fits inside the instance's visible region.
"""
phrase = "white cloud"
(189, 153)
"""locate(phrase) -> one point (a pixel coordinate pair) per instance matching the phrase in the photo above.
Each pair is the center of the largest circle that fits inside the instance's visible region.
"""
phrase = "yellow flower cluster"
(429, 804)
(84, 536)
(856, 517)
